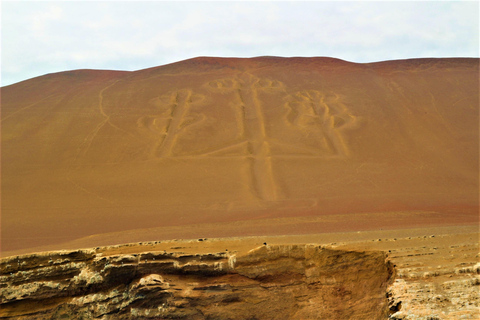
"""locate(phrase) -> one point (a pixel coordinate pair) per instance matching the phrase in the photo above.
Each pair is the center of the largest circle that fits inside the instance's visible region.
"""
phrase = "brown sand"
(213, 147)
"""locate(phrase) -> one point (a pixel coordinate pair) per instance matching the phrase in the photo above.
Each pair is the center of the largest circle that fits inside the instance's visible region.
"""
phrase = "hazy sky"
(44, 37)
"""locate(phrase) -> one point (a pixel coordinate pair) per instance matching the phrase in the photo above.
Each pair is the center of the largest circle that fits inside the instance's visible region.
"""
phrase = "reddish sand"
(213, 147)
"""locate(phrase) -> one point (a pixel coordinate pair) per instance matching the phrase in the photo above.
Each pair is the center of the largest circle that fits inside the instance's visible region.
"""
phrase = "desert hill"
(212, 147)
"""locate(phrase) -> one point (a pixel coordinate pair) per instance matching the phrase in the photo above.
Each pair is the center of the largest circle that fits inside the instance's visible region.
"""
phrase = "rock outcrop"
(270, 282)
(442, 294)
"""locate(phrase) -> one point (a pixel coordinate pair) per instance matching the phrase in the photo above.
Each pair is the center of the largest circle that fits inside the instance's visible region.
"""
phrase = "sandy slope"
(233, 147)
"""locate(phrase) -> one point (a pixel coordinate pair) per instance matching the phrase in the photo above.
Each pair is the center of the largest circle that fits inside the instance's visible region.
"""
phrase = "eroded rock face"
(442, 295)
(270, 282)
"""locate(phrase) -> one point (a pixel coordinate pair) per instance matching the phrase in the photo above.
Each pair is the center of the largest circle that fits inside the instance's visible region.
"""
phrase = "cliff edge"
(281, 282)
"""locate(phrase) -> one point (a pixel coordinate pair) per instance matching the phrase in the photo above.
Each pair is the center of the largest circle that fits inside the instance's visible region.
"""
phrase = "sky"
(40, 37)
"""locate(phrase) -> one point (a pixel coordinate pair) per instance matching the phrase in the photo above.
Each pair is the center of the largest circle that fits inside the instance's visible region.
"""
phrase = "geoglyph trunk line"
(254, 125)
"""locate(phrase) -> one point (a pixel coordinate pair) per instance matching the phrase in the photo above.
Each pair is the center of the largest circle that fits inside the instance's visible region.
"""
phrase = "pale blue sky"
(40, 37)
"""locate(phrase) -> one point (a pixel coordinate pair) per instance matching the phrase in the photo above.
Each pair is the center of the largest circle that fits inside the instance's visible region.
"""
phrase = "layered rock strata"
(270, 282)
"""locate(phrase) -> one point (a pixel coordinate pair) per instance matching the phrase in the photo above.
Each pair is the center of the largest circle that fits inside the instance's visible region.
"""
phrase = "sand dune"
(265, 145)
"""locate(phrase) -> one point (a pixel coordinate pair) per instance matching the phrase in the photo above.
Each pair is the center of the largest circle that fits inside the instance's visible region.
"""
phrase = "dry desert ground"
(265, 188)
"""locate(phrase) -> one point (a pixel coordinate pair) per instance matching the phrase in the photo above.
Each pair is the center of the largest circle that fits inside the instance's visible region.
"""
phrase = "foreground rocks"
(423, 277)
(270, 282)
(432, 284)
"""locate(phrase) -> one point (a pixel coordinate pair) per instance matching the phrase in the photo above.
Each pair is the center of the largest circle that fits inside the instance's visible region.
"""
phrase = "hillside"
(212, 147)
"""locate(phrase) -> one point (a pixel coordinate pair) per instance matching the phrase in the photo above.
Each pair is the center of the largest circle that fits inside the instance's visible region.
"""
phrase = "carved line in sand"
(87, 142)
(251, 128)
(171, 121)
(312, 111)
(253, 124)
(308, 111)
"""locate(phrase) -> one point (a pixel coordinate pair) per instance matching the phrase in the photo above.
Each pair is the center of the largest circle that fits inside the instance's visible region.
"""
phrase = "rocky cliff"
(269, 282)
